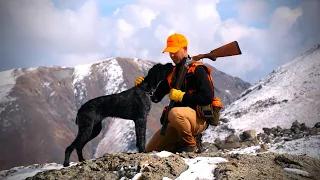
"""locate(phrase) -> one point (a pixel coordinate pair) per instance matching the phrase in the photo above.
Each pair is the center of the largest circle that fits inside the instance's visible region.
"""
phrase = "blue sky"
(71, 32)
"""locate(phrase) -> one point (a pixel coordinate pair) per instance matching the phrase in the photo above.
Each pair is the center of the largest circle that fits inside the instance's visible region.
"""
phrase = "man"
(184, 120)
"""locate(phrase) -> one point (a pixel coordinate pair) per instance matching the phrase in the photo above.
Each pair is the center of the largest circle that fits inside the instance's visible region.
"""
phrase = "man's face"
(179, 55)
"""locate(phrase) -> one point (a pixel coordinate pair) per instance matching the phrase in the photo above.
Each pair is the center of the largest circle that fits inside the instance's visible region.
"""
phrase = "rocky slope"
(38, 108)
(275, 154)
(290, 93)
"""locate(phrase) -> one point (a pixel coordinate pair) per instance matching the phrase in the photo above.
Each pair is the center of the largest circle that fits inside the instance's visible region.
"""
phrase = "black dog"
(133, 104)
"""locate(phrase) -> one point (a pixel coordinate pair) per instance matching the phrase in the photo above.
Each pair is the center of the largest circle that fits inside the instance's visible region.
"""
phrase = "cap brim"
(171, 49)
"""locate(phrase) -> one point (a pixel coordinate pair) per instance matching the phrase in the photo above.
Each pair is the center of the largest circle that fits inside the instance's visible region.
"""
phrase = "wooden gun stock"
(230, 49)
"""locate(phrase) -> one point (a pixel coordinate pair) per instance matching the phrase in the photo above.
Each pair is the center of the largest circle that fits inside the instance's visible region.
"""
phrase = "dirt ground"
(269, 166)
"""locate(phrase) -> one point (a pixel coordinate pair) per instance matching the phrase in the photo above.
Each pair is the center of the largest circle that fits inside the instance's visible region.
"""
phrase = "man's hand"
(138, 80)
(176, 95)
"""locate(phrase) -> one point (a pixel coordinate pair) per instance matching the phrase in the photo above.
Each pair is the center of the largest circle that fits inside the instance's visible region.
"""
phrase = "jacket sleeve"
(162, 90)
(203, 94)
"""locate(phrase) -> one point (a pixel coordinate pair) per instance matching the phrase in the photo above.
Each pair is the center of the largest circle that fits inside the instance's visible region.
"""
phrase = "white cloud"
(253, 10)
(43, 34)
(283, 19)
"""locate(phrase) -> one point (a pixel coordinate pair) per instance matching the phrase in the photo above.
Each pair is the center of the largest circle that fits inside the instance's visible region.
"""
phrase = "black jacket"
(197, 81)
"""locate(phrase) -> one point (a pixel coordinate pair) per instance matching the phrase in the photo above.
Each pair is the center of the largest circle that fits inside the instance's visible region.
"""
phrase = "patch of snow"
(201, 167)
(135, 177)
(212, 133)
(143, 65)
(81, 71)
(305, 146)
(113, 73)
(247, 150)
(163, 154)
(120, 137)
(29, 171)
(297, 171)
(53, 93)
(47, 85)
(165, 178)
(7, 82)
(30, 69)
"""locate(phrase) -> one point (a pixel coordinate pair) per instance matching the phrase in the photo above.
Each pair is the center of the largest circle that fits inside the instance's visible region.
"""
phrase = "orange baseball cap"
(175, 42)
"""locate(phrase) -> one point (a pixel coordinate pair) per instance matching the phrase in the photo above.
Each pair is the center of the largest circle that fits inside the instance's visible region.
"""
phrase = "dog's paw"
(65, 164)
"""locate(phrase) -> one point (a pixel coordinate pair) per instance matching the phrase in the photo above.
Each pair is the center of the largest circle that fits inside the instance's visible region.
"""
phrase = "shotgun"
(230, 49)
(182, 74)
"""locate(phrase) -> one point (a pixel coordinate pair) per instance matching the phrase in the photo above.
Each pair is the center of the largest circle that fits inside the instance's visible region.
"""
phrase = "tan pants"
(183, 126)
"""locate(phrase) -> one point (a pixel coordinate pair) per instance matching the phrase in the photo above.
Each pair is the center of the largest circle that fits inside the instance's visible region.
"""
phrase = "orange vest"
(215, 101)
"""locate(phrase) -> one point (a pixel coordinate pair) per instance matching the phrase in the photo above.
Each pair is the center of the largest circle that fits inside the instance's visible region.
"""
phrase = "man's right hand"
(138, 80)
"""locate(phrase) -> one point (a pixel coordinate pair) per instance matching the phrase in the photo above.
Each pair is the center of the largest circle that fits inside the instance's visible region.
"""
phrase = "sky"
(71, 32)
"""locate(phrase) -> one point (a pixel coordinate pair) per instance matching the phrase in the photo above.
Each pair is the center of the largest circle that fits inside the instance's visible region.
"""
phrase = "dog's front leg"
(141, 127)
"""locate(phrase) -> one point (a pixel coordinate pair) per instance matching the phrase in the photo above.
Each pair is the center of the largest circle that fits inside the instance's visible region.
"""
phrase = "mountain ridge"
(38, 108)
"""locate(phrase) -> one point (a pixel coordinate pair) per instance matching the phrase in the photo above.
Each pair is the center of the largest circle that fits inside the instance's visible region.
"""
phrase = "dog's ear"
(168, 66)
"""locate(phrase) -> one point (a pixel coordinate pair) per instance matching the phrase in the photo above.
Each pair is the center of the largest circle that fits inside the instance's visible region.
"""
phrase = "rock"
(278, 129)
(232, 138)
(255, 141)
(120, 165)
(277, 140)
(246, 143)
(303, 127)
(224, 120)
(263, 137)
(209, 147)
(217, 141)
(273, 131)
(267, 131)
(295, 124)
(296, 130)
(313, 131)
(297, 136)
(285, 159)
(286, 132)
(248, 135)
(317, 125)
(287, 139)
(233, 145)
(263, 148)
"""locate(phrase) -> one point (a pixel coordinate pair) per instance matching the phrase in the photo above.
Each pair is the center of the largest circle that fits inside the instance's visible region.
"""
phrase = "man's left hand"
(176, 95)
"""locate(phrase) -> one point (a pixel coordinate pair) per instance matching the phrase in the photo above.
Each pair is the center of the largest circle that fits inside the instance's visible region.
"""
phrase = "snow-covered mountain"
(290, 93)
(38, 108)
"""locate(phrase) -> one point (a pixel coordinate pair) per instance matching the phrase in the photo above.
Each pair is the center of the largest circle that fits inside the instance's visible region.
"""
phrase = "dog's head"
(158, 73)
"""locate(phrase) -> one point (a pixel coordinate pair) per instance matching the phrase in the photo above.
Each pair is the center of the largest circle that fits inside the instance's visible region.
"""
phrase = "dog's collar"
(147, 89)
(151, 93)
